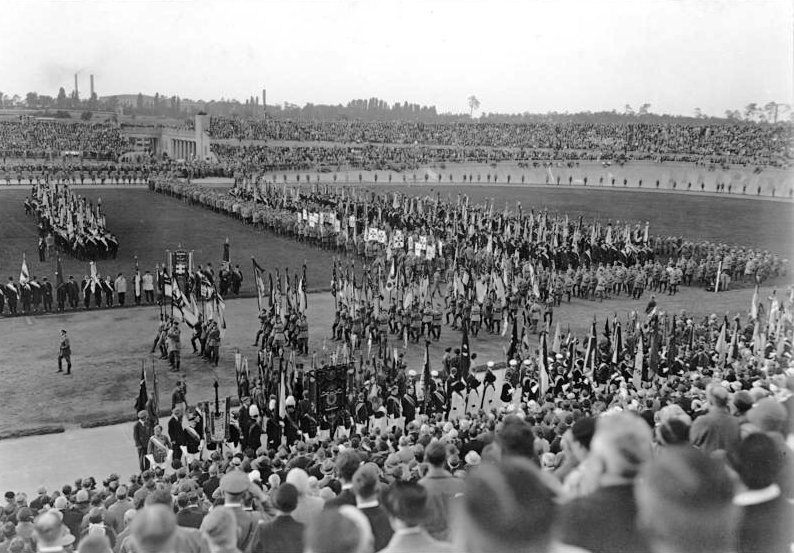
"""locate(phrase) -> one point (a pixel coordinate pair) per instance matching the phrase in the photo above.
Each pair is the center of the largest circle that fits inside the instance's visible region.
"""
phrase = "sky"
(514, 56)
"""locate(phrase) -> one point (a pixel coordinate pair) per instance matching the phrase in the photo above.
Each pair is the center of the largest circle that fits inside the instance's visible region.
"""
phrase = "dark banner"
(331, 388)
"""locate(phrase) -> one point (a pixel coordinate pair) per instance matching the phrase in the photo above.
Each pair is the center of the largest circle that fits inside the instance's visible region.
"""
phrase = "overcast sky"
(514, 56)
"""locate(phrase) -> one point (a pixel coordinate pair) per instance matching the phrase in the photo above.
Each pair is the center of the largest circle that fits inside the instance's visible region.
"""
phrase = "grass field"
(108, 347)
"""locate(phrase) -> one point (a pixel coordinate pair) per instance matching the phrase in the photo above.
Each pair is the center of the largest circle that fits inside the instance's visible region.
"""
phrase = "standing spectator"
(346, 465)
(154, 530)
(684, 502)
(365, 486)
(283, 534)
(341, 530)
(309, 506)
(121, 288)
(406, 504)
(717, 429)
(148, 287)
(141, 434)
(234, 486)
(219, 529)
(766, 516)
(50, 535)
(604, 520)
(442, 488)
(115, 515)
(95, 544)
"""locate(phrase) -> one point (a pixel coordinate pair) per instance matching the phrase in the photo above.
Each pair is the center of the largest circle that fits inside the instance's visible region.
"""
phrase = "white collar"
(754, 497)
(407, 531)
(347, 486)
(366, 504)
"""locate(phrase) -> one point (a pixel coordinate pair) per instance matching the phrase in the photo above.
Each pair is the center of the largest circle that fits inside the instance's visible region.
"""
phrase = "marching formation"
(71, 223)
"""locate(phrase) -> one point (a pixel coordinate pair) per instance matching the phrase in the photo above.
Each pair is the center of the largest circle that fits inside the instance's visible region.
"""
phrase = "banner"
(332, 388)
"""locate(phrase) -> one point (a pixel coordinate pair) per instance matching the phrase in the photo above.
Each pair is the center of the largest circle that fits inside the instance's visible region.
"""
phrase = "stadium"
(429, 330)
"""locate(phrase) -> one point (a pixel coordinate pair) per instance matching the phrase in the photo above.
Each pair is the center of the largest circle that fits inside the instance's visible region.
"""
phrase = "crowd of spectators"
(600, 474)
(36, 138)
(738, 143)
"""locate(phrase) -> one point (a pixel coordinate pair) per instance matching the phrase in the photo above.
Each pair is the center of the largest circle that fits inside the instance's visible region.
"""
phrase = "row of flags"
(285, 295)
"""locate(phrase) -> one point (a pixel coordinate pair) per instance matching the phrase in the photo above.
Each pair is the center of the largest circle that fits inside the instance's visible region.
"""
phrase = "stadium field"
(109, 345)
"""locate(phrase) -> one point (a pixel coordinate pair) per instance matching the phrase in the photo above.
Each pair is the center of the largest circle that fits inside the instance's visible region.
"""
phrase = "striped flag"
(638, 357)
(260, 284)
(24, 274)
(544, 359)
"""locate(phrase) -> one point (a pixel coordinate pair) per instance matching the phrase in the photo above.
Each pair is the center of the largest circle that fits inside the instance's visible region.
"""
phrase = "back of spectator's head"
(300, 479)
(436, 453)
(768, 415)
(506, 507)
(219, 528)
(286, 498)
(406, 502)
(672, 431)
(48, 530)
(347, 464)
(717, 395)
(583, 431)
(757, 460)
(516, 438)
(343, 530)
(95, 543)
(685, 502)
(160, 496)
(154, 529)
(365, 481)
(623, 443)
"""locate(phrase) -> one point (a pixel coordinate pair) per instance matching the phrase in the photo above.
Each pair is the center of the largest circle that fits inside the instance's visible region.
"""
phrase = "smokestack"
(76, 93)
(264, 100)
(92, 86)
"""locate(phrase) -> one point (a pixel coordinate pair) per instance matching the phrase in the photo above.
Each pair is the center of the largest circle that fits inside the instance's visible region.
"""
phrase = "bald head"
(154, 529)
(48, 529)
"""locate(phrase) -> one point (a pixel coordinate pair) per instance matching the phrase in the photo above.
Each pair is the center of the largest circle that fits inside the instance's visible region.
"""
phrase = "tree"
(773, 110)
(31, 99)
(474, 104)
(750, 111)
(644, 109)
(86, 115)
(61, 100)
(698, 113)
(628, 110)
(139, 101)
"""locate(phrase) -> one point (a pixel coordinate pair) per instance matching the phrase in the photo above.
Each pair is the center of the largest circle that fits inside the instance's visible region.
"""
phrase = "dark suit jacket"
(283, 534)
(381, 527)
(345, 497)
(141, 434)
(190, 517)
(175, 432)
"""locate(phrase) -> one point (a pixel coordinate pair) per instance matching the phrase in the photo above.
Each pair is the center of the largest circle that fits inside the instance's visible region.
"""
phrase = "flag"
(754, 304)
(260, 284)
(24, 275)
(302, 299)
(717, 280)
(94, 275)
(555, 344)
(226, 256)
(638, 356)
(219, 314)
(544, 359)
(143, 396)
(334, 279)
(672, 345)
(734, 349)
(465, 358)
(137, 281)
(513, 349)
(618, 344)
(722, 342)
(183, 306)
(653, 361)
(282, 394)
(590, 353)
(426, 377)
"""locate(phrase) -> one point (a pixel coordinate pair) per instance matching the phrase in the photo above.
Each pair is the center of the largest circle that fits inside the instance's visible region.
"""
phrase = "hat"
(327, 467)
(81, 497)
(289, 402)
(253, 411)
(42, 490)
(60, 502)
(490, 364)
(513, 362)
(768, 415)
(142, 414)
(234, 482)
(286, 498)
(254, 476)
(742, 400)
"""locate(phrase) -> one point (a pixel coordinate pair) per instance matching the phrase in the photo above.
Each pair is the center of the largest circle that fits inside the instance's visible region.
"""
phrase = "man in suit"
(365, 486)
(347, 463)
(176, 432)
(406, 504)
(283, 534)
(234, 485)
(441, 488)
(189, 514)
(141, 434)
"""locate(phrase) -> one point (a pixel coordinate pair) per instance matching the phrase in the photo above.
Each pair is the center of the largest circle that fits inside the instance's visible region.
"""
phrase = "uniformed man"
(65, 353)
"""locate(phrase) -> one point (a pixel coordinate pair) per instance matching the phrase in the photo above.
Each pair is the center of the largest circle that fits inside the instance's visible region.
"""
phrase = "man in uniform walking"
(65, 353)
